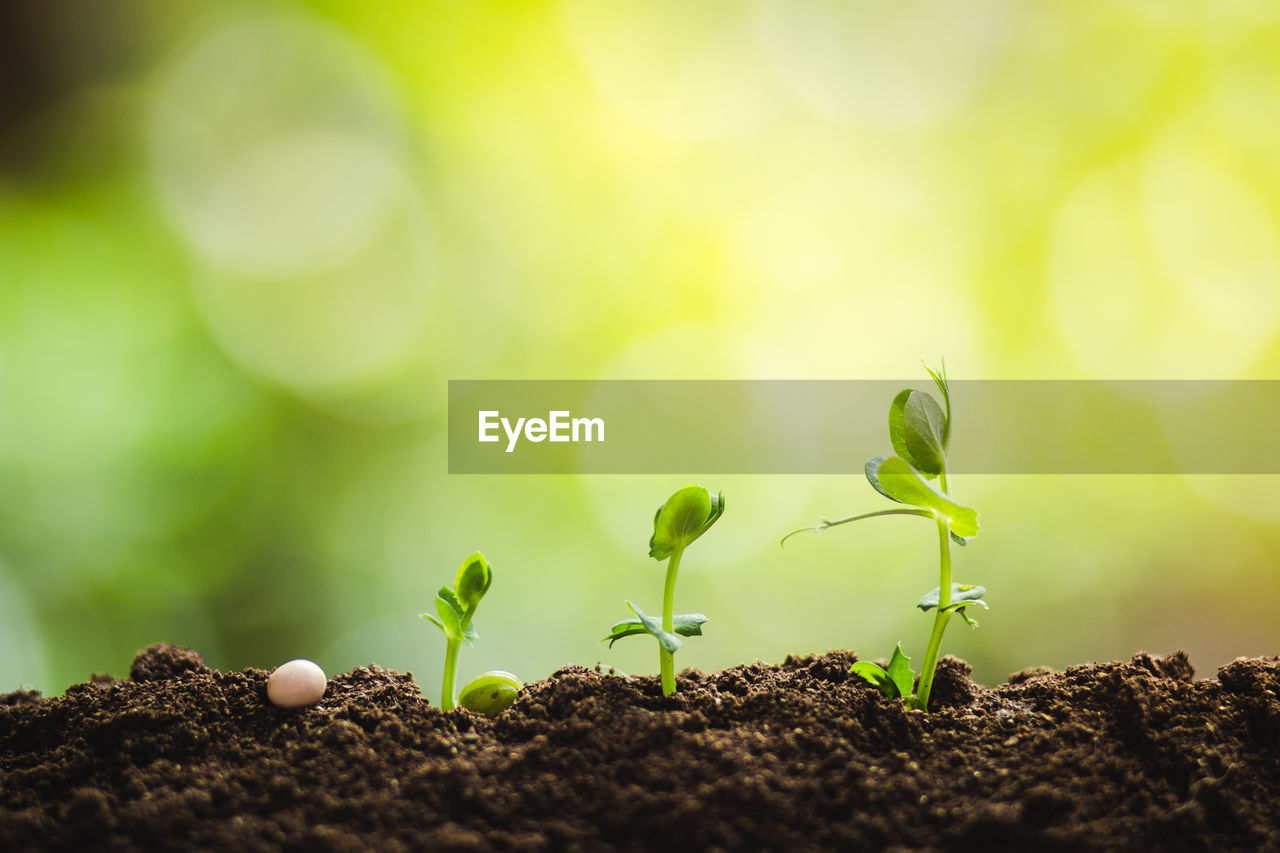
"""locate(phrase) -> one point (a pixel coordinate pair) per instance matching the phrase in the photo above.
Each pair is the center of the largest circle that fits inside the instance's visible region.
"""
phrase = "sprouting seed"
(455, 606)
(490, 693)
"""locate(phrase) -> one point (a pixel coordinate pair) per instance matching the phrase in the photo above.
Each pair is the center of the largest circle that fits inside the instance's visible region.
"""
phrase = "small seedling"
(685, 516)
(920, 431)
(489, 693)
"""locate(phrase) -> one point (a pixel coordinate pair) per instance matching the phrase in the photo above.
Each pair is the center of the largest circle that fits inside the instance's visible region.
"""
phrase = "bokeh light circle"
(326, 333)
(1165, 266)
(684, 71)
(884, 64)
(274, 146)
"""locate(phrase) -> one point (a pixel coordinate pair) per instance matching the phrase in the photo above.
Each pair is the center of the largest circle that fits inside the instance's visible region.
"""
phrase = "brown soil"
(801, 756)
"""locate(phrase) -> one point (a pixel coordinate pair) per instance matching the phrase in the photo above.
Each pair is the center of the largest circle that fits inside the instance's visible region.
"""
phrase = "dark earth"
(800, 756)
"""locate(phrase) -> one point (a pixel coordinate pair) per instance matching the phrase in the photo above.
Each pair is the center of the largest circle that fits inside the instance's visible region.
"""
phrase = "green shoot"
(685, 516)
(895, 682)
(920, 432)
(455, 606)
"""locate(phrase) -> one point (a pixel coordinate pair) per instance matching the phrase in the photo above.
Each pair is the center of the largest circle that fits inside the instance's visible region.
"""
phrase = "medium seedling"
(920, 431)
(685, 516)
(493, 691)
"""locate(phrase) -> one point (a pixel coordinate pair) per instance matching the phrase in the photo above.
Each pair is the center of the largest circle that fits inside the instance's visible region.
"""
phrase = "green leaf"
(898, 424)
(625, 628)
(490, 693)
(688, 624)
(897, 480)
(450, 598)
(435, 622)
(685, 516)
(900, 673)
(472, 581)
(962, 595)
(877, 676)
(666, 639)
(450, 613)
(916, 427)
(684, 624)
(469, 635)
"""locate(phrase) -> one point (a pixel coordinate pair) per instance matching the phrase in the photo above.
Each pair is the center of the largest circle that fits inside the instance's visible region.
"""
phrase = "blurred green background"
(244, 246)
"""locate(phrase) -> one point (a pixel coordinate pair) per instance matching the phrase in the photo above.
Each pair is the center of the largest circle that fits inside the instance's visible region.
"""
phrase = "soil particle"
(797, 756)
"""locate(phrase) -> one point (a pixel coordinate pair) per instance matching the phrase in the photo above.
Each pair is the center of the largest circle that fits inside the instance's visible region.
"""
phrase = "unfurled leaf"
(916, 428)
(473, 580)
(684, 624)
(962, 595)
(897, 480)
(685, 516)
(877, 676)
(900, 673)
(436, 622)
(666, 639)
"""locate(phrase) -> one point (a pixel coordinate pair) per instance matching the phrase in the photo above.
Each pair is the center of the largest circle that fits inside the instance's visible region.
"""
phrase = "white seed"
(296, 684)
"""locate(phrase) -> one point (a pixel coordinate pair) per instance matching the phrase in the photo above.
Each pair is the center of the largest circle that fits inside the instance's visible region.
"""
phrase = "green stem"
(940, 619)
(450, 667)
(666, 660)
(923, 513)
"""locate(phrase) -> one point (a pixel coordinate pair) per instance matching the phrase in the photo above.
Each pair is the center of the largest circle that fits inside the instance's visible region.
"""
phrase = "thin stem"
(940, 619)
(450, 667)
(666, 660)
(824, 523)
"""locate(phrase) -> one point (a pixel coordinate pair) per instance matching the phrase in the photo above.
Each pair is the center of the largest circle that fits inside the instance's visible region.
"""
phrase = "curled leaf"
(473, 580)
(450, 613)
(917, 426)
(685, 516)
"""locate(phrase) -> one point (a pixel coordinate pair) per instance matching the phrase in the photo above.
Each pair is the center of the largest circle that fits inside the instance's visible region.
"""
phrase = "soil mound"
(797, 756)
